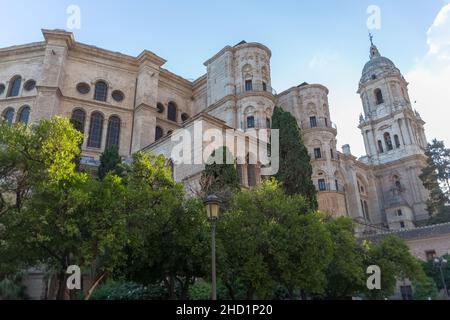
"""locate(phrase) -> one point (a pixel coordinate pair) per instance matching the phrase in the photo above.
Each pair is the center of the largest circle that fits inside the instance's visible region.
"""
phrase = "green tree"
(425, 290)
(169, 239)
(346, 272)
(295, 163)
(434, 272)
(220, 178)
(58, 216)
(110, 161)
(268, 239)
(396, 263)
(436, 178)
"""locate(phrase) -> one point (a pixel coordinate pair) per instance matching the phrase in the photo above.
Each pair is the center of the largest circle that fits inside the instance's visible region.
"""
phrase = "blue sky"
(315, 41)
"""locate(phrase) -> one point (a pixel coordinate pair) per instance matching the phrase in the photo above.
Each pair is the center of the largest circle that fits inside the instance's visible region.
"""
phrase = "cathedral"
(137, 105)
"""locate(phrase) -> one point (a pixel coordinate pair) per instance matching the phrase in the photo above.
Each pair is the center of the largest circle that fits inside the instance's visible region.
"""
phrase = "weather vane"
(371, 37)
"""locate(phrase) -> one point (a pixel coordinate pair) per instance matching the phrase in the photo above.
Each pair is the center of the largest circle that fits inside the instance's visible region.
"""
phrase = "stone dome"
(377, 66)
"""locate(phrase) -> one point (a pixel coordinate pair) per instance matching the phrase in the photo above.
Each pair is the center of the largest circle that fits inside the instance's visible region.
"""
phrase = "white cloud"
(430, 79)
(439, 34)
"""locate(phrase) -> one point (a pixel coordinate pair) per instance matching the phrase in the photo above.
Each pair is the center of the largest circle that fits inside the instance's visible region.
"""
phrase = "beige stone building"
(136, 104)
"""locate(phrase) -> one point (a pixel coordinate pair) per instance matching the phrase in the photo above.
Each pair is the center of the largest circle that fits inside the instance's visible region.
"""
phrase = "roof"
(413, 234)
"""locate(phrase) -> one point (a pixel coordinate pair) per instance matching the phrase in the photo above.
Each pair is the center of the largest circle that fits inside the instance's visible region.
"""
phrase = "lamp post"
(212, 206)
(441, 263)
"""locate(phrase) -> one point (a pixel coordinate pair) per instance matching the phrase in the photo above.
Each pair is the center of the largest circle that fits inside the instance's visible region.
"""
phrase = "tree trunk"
(61, 285)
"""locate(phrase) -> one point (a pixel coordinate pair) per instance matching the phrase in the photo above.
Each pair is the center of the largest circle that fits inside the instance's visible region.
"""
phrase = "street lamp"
(441, 263)
(212, 206)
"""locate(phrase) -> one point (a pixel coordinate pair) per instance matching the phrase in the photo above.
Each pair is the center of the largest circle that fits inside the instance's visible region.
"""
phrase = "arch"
(378, 96)
(388, 141)
(96, 130)
(172, 111)
(24, 114)
(78, 119)
(113, 132)
(159, 133)
(101, 91)
(14, 86)
(8, 116)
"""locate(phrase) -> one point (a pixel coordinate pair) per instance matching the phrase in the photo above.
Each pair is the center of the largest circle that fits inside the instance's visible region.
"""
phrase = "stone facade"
(136, 104)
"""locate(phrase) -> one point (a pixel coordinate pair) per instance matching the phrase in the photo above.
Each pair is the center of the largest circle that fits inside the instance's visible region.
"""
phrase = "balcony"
(255, 87)
(318, 123)
(330, 187)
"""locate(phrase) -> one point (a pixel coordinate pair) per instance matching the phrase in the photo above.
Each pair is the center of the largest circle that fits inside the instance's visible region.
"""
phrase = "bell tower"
(394, 139)
(390, 127)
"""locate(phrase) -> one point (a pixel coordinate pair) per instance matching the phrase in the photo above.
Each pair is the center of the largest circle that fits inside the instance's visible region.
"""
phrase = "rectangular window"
(317, 153)
(326, 122)
(380, 146)
(250, 122)
(264, 86)
(248, 85)
(336, 183)
(399, 213)
(322, 185)
(313, 122)
(331, 153)
(402, 225)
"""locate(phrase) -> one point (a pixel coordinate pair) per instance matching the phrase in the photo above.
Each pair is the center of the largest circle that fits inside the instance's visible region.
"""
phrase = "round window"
(83, 88)
(2, 88)
(118, 95)
(184, 117)
(29, 85)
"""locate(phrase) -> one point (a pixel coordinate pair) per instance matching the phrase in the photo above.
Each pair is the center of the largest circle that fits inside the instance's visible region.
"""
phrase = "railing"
(255, 87)
(327, 187)
(318, 123)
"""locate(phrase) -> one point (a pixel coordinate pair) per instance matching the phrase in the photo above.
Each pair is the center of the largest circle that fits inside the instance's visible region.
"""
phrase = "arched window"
(113, 133)
(24, 114)
(397, 141)
(388, 141)
(78, 119)
(379, 96)
(250, 122)
(8, 116)
(101, 91)
(95, 131)
(14, 86)
(380, 146)
(172, 112)
(158, 133)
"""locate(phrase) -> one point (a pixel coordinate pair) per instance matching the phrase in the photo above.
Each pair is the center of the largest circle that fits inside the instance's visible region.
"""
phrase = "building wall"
(364, 189)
